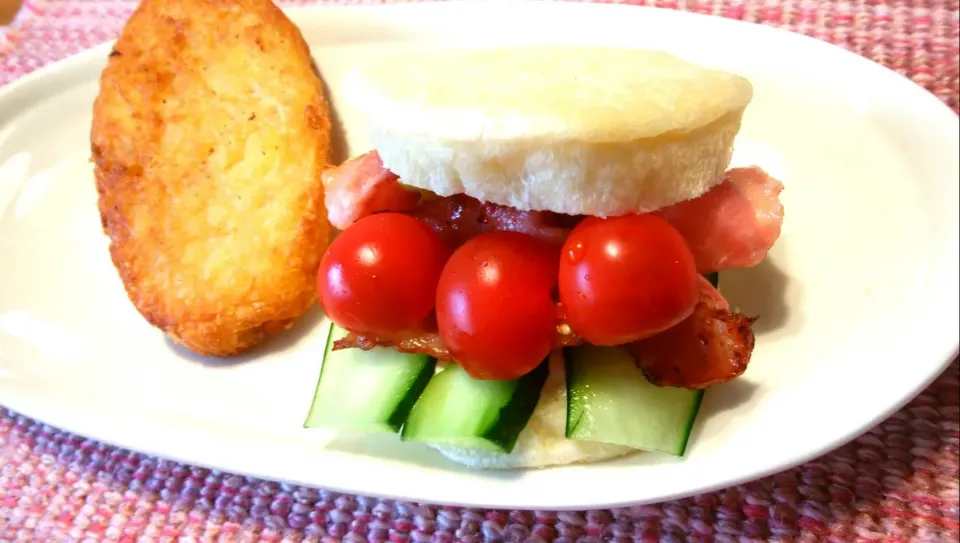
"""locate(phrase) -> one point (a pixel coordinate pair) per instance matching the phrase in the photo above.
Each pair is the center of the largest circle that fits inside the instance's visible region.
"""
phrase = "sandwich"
(525, 273)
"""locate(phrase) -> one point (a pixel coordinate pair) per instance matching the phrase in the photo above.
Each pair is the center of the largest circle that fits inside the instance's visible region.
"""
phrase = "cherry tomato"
(626, 278)
(495, 312)
(380, 275)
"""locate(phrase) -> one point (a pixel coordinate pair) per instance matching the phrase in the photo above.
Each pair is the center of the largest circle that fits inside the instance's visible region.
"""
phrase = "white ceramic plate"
(858, 298)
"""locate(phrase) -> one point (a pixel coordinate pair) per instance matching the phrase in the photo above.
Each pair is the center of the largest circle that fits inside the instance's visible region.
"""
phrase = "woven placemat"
(898, 482)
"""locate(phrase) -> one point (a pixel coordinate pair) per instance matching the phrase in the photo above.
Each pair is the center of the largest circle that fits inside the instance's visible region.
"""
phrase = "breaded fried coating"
(209, 135)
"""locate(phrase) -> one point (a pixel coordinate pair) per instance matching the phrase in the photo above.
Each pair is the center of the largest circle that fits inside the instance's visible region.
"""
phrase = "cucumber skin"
(399, 416)
(523, 403)
(714, 279)
(573, 419)
(572, 424)
(416, 390)
(316, 391)
(694, 411)
(501, 435)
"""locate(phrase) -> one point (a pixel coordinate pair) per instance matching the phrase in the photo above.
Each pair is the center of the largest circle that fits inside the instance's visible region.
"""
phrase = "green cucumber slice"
(460, 411)
(367, 391)
(609, 400)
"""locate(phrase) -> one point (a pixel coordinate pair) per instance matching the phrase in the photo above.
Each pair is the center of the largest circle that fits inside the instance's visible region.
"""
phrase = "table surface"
(898, 482)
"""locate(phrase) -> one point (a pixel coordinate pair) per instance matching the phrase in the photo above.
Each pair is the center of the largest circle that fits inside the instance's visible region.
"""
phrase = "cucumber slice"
(367, 391)
(609, 400)
(460, 411)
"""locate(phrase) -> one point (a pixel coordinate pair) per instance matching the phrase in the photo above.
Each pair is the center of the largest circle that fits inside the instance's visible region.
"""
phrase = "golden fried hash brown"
(209, 135)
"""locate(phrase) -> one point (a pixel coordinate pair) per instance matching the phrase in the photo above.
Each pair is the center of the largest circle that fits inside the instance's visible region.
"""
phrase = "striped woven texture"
(898, 482)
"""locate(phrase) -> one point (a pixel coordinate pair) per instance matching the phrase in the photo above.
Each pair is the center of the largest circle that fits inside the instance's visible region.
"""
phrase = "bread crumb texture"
(209, 134)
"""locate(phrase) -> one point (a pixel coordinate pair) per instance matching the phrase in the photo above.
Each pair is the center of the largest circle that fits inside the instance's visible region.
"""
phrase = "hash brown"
(209, 134)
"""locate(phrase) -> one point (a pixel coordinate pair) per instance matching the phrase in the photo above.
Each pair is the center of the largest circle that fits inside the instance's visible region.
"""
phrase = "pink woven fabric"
(899, 482)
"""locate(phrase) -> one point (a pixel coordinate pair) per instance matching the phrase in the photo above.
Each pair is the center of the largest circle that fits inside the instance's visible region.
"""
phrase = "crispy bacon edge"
(712, 346)
(429, 343)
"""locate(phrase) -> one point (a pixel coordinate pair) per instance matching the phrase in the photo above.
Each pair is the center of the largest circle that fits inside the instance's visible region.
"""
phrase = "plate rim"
(77, 64)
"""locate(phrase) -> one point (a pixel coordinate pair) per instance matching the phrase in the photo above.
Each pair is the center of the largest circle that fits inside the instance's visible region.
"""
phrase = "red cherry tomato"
(380, 275)
(626, 278)
(495, 312)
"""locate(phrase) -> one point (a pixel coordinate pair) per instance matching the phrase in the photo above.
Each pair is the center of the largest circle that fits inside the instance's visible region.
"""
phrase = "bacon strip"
(361, 186)
(731, 226)
(734, 224)
(430, 344)
(459, 217)
(711, 346)
(427, 343)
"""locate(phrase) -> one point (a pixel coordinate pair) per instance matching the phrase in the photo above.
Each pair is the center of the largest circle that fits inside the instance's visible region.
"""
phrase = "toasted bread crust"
(209, 135)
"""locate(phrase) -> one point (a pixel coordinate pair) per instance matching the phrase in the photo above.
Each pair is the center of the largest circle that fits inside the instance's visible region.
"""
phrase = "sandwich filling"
(732, 225)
